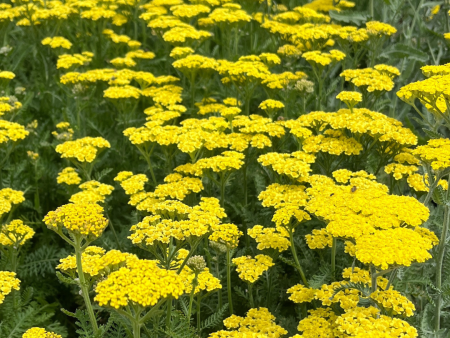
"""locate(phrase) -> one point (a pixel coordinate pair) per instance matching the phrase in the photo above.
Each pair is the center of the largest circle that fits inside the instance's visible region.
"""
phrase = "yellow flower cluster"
(66, 61)
(57, 41)
(68, 176)
(400, 170)
(268, 238)
(393, 300)
(8, 197)
(436, 153)
(205, 280)
(360, 121)
(84, 149)
(37, 332)
(132, 184)
(288, 201)
(8, 282)
(377, 28)
(227, 161)
(257, 321)
(194, 62)
(92, 192)
(227, 234)
(96, 262)
(65, 132)
(333, 142)
(318, 58)
(361, 206)
(350, 98)
(250, 269)
(271, 105)
(399, 246)
(140, 282)
(84, 219)
(295, 165)
(15, 233)
(11, 131)
(371, 79)
(362, 321)
(196, 221)
(9, 104)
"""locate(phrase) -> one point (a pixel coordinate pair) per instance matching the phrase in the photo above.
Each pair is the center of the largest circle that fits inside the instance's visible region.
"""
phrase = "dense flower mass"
(140, 282)
(83, 150)
(247, 169)
(8, 283)
(82, 218)
(37, 332)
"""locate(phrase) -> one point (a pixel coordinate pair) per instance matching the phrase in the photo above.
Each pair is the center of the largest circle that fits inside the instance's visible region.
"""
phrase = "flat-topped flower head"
(377, 28)
(84, 149)
(37, 332)
(181, 52)
(15, 233)
(269, 238)
(227, 234)
(57, 41)
(8, 198)
(11, 131)
(96, 262)
(92, 192)
(250, 269)
(436, 153)
(258, 323)
(141, 282)
(68, 176)
(8, 282)
(85, 219)
(350, 98)
(317, 58)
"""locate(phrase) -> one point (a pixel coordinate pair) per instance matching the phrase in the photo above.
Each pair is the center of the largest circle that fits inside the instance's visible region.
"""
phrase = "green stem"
(371, 9)
(440, 261)
(250, 293)
(219, 293)
(374, 276)
(222, 190)
(136, 329)
(297, 262)
(230, 299)
(168, 313)
(84, 286)
(333, 259)
(198, 312)
(191, 296)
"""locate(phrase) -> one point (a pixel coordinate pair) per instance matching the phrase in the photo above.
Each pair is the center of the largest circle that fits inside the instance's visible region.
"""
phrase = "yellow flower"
(15, 233)
(350, 98)
(57, 41)
(377, 28)
(250, 269)
(68, 176)
(84, 149)
(85, 219)
(8, 282)
(37, 332)
(140, 282)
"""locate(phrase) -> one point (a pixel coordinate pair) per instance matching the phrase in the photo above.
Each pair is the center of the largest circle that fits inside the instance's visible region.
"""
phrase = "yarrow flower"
(139, 282)
(57, 41)
(85, 219)
(84, 149)
(250, 269)
(15, 233)
(37, 332)
(8, 282)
